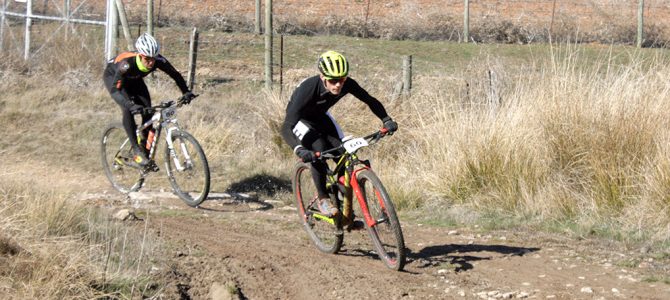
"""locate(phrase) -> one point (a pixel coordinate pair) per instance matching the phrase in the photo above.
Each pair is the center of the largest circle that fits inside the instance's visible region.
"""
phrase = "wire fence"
(510, 21)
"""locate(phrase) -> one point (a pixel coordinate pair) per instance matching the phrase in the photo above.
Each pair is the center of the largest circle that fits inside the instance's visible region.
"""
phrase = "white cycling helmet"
(147, 45)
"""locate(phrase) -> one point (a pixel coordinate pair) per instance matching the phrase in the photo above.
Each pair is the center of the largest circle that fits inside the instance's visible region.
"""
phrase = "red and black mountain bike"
(350, 177)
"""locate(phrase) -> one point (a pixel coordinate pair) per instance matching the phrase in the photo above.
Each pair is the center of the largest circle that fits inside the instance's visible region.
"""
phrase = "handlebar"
(169, 103)
(371, 138)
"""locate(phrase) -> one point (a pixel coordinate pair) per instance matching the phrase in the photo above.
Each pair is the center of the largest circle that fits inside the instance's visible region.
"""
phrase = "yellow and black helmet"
(333, 65)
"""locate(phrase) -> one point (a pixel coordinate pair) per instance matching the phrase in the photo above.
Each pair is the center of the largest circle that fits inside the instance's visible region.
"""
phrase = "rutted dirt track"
(258, 247)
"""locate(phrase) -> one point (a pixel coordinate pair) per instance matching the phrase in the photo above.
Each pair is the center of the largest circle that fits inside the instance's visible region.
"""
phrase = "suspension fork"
(178, 165)
(361, 198)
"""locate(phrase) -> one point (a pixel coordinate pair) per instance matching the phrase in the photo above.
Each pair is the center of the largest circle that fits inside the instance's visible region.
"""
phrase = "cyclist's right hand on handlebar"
(306, 155)
(136, 109)
(390, 125)
(139, 109)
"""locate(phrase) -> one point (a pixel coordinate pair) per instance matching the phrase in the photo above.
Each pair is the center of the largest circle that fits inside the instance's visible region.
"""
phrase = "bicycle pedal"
(356, 225)
(152, 167)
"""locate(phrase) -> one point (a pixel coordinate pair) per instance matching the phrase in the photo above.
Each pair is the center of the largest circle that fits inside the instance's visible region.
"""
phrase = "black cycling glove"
(306, 155)
(390, 125)
(187, 97)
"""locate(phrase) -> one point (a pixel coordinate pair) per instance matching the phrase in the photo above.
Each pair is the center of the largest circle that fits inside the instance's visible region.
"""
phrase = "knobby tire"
(192, 184)
(123, 178)
(386, 235)
(326, 237)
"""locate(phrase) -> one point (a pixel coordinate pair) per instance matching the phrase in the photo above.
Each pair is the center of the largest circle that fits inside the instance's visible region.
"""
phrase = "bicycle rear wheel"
(385, 233)
(116, 151)
(187, 168)
(325, 235)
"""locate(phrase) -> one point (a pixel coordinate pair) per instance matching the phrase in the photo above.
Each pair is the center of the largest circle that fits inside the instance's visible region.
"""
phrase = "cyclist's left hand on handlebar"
(187, 97)
(306, 155)
(390, 125)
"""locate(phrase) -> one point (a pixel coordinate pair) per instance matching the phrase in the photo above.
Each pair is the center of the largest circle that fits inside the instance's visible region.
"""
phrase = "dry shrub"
(504, 31)
(433, 27)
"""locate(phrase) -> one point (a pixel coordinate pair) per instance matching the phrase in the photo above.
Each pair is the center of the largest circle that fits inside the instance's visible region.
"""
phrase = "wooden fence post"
(192, 58)
(640, 24)
(124, 23)
(466, 21)
(257, 26)
(407, 75)
(268, 44)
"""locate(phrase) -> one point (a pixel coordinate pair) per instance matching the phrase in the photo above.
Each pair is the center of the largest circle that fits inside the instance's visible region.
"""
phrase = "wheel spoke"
(114, 151)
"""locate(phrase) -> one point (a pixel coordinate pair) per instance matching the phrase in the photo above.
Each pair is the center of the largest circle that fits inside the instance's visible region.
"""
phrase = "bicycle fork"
(369, 220)
(188, 163)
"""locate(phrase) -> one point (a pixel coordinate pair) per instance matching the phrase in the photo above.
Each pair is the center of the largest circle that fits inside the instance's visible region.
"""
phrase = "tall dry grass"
(53, 109)
(54, 248)
(564, 138)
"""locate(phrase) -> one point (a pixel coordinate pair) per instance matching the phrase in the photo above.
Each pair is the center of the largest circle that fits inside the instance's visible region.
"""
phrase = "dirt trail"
(259, 248)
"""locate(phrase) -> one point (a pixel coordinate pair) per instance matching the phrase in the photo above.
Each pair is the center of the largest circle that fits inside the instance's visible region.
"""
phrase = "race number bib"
(300, 130)
(354, 144)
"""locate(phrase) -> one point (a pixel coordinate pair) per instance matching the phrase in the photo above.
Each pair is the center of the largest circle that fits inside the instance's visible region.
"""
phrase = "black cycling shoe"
(356, 225)
(140, 158)
(152, 167)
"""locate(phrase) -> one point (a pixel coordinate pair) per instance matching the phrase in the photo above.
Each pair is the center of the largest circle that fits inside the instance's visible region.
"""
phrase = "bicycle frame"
(164, 117)
(352, 165)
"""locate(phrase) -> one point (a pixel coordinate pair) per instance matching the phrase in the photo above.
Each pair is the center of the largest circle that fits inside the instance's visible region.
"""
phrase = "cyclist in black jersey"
(308, 127)
(123, 78)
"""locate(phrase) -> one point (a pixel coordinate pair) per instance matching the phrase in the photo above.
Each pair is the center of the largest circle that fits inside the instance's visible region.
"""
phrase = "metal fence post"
(2, 26)
(29, 24)
(66, 11)
(150, 17)
(268, 44)
(281, 63)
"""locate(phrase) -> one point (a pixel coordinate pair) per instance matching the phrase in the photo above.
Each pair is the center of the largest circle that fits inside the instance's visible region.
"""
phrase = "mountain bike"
(350, 176)
(185, 162)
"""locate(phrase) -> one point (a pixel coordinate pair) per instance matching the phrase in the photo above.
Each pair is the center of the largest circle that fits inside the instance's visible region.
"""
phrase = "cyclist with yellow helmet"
(308, 127)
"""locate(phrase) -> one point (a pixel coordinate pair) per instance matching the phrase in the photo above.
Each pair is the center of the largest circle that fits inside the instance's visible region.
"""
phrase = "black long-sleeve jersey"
(311, 100)
(123, 70)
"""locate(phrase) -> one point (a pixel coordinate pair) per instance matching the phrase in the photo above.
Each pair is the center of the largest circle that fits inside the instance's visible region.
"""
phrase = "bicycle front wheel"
(116, 153)
(322, 231)
(385, 232)
(187, 168)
